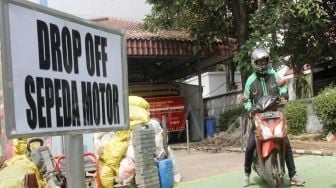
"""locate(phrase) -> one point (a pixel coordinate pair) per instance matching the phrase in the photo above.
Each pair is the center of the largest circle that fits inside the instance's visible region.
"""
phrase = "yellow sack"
(134, 123)
(138, 113)
(106, 176)
(13, 175)
(138, 101)
(112, 153)
(20, 146)
(123, 136)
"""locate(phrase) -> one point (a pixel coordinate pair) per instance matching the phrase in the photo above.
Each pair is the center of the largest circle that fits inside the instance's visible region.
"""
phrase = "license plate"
(269, 115)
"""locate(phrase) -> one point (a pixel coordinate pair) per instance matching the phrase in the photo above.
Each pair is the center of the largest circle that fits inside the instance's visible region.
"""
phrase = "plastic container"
(210, 126)
(166, 173)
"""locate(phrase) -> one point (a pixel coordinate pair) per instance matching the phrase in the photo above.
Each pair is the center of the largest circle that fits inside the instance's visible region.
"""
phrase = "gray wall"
(215, 106)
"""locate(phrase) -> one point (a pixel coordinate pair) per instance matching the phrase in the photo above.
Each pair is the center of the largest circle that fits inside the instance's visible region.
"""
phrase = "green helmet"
(257, 54)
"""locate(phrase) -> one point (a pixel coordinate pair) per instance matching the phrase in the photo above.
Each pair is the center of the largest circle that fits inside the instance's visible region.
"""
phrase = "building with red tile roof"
(164, 55)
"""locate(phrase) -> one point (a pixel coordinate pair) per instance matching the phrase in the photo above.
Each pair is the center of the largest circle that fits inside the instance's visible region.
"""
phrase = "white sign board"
(61, 73)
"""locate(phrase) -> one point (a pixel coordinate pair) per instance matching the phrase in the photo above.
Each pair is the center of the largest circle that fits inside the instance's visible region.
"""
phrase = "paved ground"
(199, 164)
(222, 162)
(216, 170)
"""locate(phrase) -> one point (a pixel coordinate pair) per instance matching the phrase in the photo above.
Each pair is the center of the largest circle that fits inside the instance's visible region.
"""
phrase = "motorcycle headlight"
(279, 130)
(266, 132)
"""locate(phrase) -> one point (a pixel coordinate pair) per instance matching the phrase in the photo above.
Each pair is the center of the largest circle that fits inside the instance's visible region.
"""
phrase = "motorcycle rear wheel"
(274, 170)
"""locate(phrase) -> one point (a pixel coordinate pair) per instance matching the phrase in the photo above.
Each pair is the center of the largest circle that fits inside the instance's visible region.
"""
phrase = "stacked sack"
(13, 175)
(117, 156)
(138, 111)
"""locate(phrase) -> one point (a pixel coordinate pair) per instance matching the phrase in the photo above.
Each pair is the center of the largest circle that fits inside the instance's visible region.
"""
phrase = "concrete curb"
(295, 151)
(237, 149)
(313, 152)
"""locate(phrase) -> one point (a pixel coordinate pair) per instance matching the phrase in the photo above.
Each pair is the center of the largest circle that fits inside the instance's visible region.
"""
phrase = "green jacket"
(258, 85)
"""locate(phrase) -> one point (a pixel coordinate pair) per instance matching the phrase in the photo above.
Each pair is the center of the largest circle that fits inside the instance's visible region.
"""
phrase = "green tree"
(306, 27)
(291, 28)
(206, 21)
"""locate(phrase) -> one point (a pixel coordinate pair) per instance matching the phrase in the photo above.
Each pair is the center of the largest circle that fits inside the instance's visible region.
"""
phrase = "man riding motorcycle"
(261, 83)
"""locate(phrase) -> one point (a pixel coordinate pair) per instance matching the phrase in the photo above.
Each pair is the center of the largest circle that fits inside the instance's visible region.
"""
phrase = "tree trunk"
(240, 21)
(227, 76)
(232, 76)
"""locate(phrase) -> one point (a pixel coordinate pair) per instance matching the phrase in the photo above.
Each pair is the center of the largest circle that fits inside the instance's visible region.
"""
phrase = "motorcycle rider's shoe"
(246, 180)
(297, 180)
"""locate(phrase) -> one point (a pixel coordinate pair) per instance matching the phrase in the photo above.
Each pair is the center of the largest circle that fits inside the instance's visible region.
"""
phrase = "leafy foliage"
(288, 28)
(304, 30)
(296, 29)
(229, 116)
(206, 20)
(296, 114)
(330, 7)
(325, 107)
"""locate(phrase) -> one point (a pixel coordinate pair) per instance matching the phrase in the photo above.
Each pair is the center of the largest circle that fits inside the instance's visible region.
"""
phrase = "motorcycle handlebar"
(279, 102)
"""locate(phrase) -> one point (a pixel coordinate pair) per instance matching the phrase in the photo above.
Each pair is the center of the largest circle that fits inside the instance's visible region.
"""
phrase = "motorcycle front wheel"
(274, 170)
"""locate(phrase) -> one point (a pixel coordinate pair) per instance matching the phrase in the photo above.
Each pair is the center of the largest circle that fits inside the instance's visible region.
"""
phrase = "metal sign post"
(74, 161)
(187, 133)
(165, 135)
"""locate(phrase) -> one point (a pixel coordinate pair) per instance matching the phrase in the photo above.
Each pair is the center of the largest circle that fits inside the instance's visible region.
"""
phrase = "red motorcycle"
(270, 134)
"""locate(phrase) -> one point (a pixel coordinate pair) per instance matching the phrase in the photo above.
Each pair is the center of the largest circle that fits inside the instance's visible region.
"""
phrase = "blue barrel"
(166, 173)
(210, 126)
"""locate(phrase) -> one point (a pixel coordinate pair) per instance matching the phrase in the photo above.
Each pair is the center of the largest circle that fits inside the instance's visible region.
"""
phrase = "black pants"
(250, 147)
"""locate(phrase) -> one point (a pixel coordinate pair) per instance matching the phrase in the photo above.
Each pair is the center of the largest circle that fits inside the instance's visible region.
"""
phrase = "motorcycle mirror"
(243, 99)
(282, 82)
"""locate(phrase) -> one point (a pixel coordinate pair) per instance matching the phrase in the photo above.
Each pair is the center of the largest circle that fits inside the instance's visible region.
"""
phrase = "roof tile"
(161, 43)
(135, 30)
